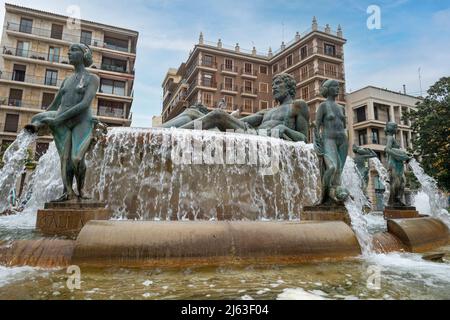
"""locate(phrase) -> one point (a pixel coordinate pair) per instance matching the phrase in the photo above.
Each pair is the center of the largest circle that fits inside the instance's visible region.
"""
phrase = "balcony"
(253, 74)
(246, 91)
(229, 88)
(30, 79)
(229, 69)
(111, 112)
(30, 54)
(21, 103)
(330, 74)
(205, 84)
(66, 37)
(113, 68)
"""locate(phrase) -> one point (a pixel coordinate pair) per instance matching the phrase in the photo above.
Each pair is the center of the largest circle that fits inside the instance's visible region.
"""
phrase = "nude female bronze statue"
(69, 118)
(396, 159)
(290, 120)
(331, 143)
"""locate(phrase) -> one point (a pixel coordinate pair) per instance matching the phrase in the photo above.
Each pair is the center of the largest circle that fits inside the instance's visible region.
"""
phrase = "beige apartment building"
(34, 62)
(368, 110)
(244, 78)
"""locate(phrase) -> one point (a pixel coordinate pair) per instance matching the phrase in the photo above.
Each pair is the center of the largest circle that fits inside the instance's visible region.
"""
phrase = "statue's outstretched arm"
(57, 101)
(89, 95)
(253, 120)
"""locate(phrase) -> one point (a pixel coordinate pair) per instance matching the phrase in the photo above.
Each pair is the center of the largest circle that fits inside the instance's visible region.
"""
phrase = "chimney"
(404, 89)
(219, 44)
(200, 38)
(270, 54)
(237, 48)
(314, 25)
(339, 32)
(297, 36)
(254, 51)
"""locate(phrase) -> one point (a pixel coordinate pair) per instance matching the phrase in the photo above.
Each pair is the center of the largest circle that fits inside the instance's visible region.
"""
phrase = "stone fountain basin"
(189, 243)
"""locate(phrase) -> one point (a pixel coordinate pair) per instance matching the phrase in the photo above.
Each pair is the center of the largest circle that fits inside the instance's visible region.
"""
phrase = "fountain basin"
(420, 234)
(146, 243)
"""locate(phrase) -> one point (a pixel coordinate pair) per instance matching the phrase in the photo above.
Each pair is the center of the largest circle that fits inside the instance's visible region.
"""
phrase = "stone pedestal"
(325, 213)
(68, 218)
(401, 213)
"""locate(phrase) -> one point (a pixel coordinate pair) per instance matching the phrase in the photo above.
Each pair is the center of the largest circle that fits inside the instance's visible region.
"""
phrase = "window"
(114, 65)
(57, 31)
(110, 108)
(15, 97)
(207, 80)
(263, 69)
(305, 93)
(263, 87)
(208, 60)
(248, 86)
(22, 49)
(116, 44)
(112, 87)
(26, 25)
(47, 99)
(19, 72)
(375, 136)
(248, 105)
(303, 52)
(228, 83)
(207, 99)
(53, 54)
(330, 49)
(362, 137)
(375, 111)
(229, 64)
(41, 149)
(12, 122)
(229, 102)
(304, 72)
(361, 114)
(51, 77)
(289, 60)
(86, 37)
(275, 68)
(330, 70)
(248, 68)
(263, 105)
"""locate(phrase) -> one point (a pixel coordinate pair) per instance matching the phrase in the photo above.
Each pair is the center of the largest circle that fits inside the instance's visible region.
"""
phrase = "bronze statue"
(290, 119)
(396, 158)
(361, 156)
(69, 118)
(331, 144)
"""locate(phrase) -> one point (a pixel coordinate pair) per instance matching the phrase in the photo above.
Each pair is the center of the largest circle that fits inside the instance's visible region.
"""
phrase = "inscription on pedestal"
(68, 218)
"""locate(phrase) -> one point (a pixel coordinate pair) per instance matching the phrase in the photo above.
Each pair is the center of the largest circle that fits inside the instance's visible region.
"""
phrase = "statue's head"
(330, 88)
(80, 53)
(391, 128)
(341, 194)
(283, 86)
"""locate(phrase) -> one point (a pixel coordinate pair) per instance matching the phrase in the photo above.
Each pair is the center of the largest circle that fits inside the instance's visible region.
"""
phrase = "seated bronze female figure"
(69, 118)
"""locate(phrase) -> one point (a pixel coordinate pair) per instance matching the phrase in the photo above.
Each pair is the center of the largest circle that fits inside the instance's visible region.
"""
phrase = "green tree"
(431, 122)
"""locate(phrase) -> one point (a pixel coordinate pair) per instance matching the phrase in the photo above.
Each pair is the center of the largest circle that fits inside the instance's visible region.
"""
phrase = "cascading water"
(351, 180)
(166, 174)
(437, 201)
(14, 164)
(384, 177)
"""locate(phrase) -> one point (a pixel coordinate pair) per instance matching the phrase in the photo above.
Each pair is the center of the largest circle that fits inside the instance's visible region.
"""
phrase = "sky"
(412, 34)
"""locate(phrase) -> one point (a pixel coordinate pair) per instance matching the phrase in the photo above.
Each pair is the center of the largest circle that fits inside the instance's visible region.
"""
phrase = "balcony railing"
(330, 74)
(4, 75)
(21, 103)
(110, 112)
(249, 90)
(110, 67)
(66, 36)
(224, 67)
(252, 73)
(208, 64)
(37, 55)
(234, 88)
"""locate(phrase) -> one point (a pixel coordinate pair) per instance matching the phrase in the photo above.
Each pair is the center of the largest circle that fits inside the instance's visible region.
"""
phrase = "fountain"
(196, 194)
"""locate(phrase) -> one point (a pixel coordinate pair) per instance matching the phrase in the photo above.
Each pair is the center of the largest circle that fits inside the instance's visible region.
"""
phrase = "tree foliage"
(431, 122)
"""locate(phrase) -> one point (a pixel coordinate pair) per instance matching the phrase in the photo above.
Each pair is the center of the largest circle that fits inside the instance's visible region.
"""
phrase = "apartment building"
(34, 62)
(368, 110)
(244, 78)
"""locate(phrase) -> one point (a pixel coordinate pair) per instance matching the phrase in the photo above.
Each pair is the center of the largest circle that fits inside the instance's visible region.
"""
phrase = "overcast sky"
(413, 35)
